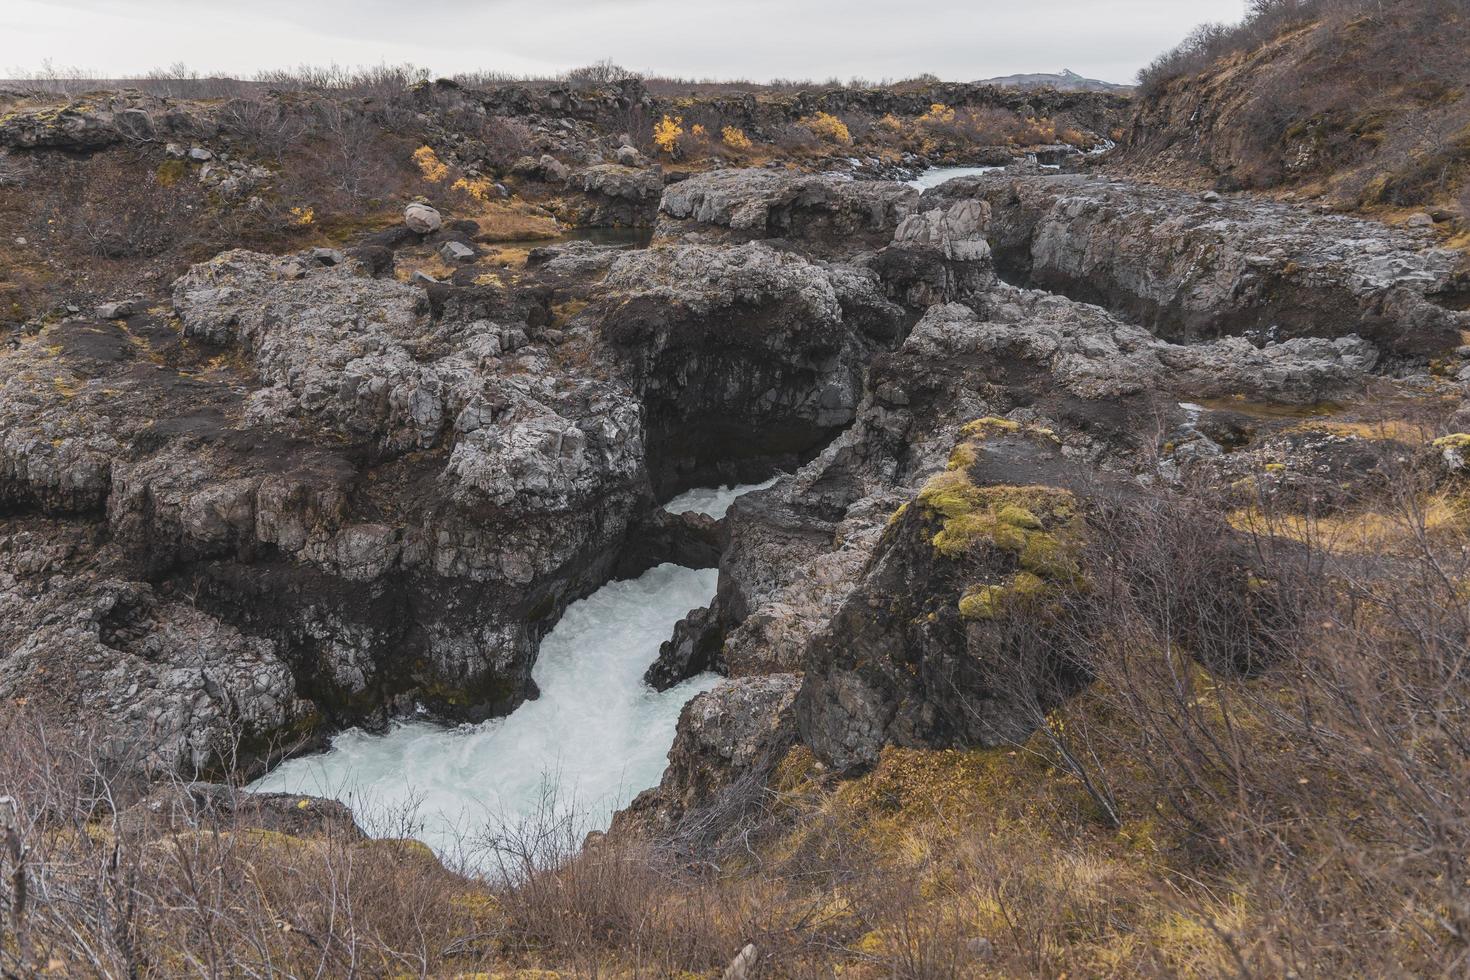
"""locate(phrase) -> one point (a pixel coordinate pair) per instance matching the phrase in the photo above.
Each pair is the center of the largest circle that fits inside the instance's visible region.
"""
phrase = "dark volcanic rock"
(694, 649)
(613, 195)
(385, 504)
(315, 496)
(939, 255)
(728, 739)
(165, 687)
(746, 358)
(692, 540)
(76, 127)
(101, 120)
(921, 653)
(797, 549)
(826, 215)
(1190, 269)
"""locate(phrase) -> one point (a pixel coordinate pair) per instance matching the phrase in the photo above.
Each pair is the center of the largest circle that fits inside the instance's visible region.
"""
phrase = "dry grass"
(410, 261)
(1438, 520)
(514, 221)
(1377, 430)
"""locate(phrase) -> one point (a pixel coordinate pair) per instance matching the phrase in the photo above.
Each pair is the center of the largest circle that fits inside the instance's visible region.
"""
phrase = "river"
(938, 175)
(594, 739)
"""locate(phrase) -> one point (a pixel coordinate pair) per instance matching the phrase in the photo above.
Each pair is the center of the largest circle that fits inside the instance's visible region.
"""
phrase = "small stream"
(594, 739)
(938, 175)
(631, 237)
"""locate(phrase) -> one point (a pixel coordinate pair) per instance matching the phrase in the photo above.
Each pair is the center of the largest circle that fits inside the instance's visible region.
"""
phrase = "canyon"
(744, 468)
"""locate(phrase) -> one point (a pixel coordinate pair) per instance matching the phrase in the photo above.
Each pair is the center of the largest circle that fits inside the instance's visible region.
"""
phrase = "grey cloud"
(762, 39)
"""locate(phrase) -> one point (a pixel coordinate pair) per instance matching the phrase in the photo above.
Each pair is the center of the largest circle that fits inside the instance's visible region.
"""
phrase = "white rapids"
(594, 739)
(712, 501)
(938, 175)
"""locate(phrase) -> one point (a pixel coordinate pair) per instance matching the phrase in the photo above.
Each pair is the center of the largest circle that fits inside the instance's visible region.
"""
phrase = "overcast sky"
(759, 39)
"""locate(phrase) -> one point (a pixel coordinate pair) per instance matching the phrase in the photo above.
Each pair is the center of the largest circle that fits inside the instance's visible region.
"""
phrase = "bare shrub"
(1327, 780)
(352, 151)
(486, 78)
(495, 142)
(989, 125)
(622, 897)
(1267, 19)
(1279, 711)
(636, 124)
(382, 81)
(177, 81)
(267, 126)
(599, 74)
(794, 138)
(103, 886)
(58, 79)
(116, 206)
(1195, 53)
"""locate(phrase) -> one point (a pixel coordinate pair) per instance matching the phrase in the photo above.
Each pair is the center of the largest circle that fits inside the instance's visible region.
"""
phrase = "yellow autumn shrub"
(480, 189)
(666, 133)
(735, 138)
(938, 114)
(828, 127)
(1041, 131)
(429, 164)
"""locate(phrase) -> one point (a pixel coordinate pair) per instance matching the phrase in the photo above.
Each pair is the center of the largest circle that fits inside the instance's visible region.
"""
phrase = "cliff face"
(1363, 109)
(1100, 111)
(1187, 267)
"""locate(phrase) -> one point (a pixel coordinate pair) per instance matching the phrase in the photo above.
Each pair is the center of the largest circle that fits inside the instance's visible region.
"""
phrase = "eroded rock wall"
(1190, 269)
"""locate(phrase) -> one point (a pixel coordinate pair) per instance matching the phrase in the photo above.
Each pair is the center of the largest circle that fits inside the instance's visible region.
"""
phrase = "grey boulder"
(422, 218)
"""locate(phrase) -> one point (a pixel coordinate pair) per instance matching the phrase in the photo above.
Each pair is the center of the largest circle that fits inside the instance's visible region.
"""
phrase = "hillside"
(1355, 104)
(1065, 80)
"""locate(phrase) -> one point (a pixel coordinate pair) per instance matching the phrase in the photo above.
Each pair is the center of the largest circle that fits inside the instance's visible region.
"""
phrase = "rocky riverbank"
(376, 494)
(850, 621)
(298, 494)
(1077, 534)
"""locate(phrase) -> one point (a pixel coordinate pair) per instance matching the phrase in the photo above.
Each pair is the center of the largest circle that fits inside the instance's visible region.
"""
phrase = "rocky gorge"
(377, 494)
(290, 493)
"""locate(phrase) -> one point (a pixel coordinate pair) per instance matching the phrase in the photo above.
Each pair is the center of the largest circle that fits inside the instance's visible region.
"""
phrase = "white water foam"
(595, 738)
(938, 175)
(712, 501)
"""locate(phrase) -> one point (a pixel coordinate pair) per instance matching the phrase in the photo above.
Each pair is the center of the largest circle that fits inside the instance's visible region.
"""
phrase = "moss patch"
(1009, 518)
(989, 601)
(1457, 440)
(1036, 528)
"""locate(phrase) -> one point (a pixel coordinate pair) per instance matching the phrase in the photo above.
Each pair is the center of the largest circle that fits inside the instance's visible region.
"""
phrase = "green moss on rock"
(1018, 516)
(988, 601)
(1048, 556)
(1004, 517)
(1456, 440)
(1030, 532)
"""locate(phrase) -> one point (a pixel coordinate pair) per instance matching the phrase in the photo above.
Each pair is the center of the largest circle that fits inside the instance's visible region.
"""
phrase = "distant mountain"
(1065, 81)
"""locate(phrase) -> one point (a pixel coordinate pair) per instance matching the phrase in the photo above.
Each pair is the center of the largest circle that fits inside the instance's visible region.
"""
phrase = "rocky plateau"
(294, 492)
